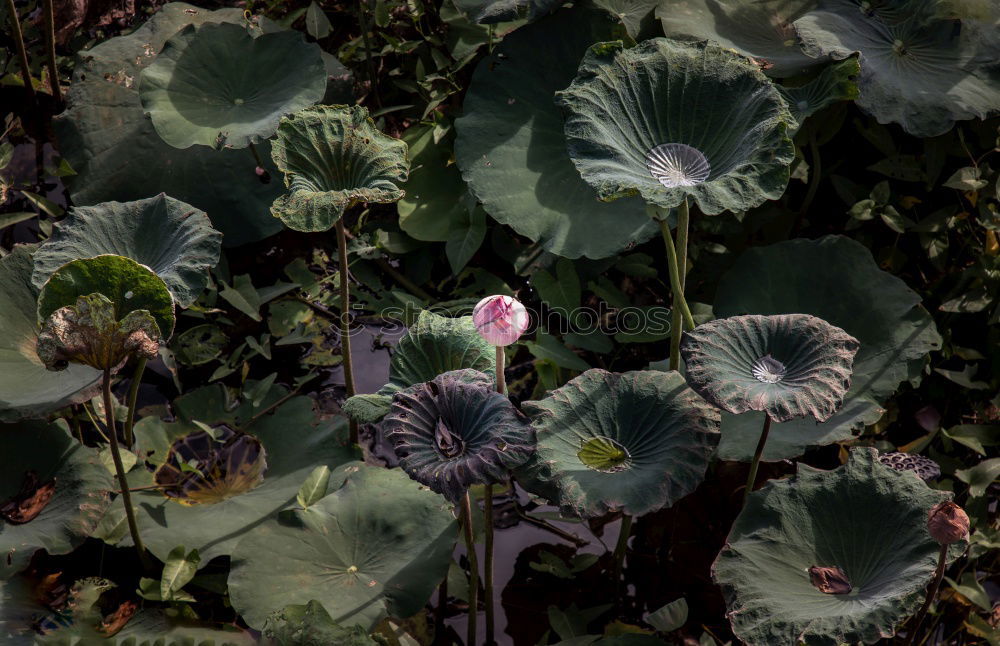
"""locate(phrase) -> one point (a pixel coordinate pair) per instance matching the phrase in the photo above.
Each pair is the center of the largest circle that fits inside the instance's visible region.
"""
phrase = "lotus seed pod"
(501, 320)
(947, 523)
(829, 580)
(925, 468)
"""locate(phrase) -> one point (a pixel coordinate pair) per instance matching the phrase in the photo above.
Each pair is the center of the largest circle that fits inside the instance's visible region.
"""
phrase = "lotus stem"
(21, 53)
(683, 218)
(931, 594)
(676, 287)
(488, 517)
(363, 22)
(116, 456)
(815, 174)
(470, 544)
(752, 478)
(439, 612)
(133, 395)
(50, 37)
(345, 321)
(619, 555)
(74, 422)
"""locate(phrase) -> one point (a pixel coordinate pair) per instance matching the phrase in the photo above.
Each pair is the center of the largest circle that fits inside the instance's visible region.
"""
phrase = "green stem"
(345, 321)
(488, 518)
(116, 456)
(372, 77)
(50, 36)
(470, 544)
(752, 478)
(21, 52)
(501, 364)
(619, 555)
(133, 395)
(74, 422)
(675, 317)
(675, 284)
(931, 594)
(439, 612)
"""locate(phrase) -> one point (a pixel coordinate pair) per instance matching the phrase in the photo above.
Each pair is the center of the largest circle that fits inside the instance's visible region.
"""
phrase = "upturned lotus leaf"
(786, 365)
(332, 157)
(216, 85)
(377, 546)
(456, 431)
(117, 154)
(433, 345)
(668, 120)
(863, 519)
(27, 388)
(636, 442)
(871, 305)
(511, 148)
(128, 285)
(53, 492)
(489, 12)
(172, 238)
(919, 70)
(91, 333)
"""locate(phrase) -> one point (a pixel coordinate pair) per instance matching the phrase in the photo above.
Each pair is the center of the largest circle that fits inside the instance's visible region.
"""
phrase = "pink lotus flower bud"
(501, 320)
(947, 523)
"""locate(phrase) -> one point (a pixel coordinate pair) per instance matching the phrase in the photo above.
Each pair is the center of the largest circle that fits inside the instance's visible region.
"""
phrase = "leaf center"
(605, 455)
(768, 370)
(676, 165)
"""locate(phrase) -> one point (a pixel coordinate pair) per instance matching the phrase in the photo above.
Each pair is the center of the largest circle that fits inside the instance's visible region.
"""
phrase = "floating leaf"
(864, 519)
(635, 441)
(301, 625)
(200, 344)
(206, 469)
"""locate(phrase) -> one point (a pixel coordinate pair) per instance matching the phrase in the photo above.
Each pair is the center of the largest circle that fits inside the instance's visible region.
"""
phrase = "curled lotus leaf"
(668, 120)
(490, 12)
(174, 239)
(511, 147)
(456, 431)
(835, 82)
(53, 492)
(919, 70)
(27, 388)
(786, 365)
(128, 285)
(332, 157)
(761, 29)
(90, 333)
(636, 442)
(873, 306)
(376, 546)
(861, 529)
(216, 85)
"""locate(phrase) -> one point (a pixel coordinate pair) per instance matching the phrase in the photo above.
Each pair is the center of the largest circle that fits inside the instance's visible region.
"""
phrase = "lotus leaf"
(636, 441)
(311, 625)
(489, 12)
(787, 365)
(295, 442)
(835, 82)
(128, 285)
(917, 70)
(456, 431)
(111, 144)
(637, 16)
(871, 305)
(378, 545)
(27, 389)
(761, 29)
(864, 519)
(332, 157)
(511, 147)
(172, 238)
(669, 119)
(205, 469)
(433, 345)
(53, 492)
(216, 85)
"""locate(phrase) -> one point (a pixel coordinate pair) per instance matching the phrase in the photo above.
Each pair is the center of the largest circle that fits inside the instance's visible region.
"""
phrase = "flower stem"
(676, 287)
(133, 395)
(931, 594)
(752, 478)
(488, 518)
(675, 316)
(345, 321)
(470, 544)
(21, 53)
(116, 455)
(619, 555)
(50, 37)
(439, 612)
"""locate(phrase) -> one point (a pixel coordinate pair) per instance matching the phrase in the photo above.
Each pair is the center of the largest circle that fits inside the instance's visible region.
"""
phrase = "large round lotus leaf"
(172, 238)
(511, 147)
(876, 308)
(127, 284)
(432, 346)
(488, 12)
(669, 120)
(635, 441)
(27, 388)
(761, 29)
(865, 519)
(295, 442)
(917, 70)
(377, 546)
(333, 156)
(456, 431)
(111, 143)
(786, 365)
(216, 85)
(53, 491)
